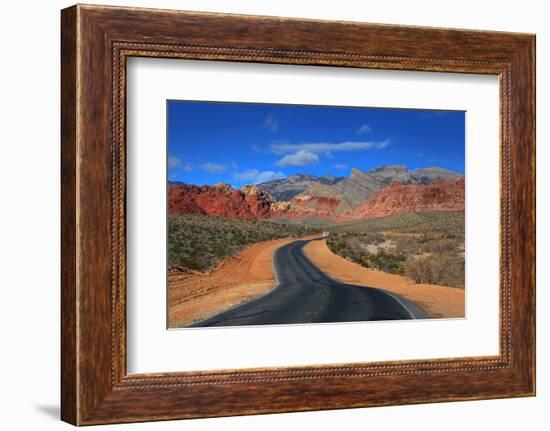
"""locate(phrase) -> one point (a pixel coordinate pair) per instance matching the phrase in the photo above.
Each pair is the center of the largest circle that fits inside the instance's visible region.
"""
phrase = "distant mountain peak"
(287, 188)
(224, 186)
(175, 183)
(434, 169)
(297, 177)
(400, 168)
(356, 172)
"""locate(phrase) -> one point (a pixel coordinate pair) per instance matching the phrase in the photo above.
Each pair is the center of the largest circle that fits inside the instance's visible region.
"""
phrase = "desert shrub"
(430, 258)
(454, 274)
(353, 247)
(409, 245)
(385, 260)
(200, 242)
(446, 269)
(449, 224)
(440, 245)
(421, 269)
(373, 238)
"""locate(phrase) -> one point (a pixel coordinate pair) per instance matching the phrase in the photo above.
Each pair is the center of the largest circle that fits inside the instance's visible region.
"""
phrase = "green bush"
(433, 259)
(200, 242)
(384, 260)
(446, 270)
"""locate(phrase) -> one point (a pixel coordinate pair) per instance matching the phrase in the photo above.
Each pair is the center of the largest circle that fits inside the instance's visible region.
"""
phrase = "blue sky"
(248, 143)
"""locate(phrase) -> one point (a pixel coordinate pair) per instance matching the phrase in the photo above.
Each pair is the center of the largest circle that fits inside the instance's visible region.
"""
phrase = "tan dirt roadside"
(195, 296)
(438, 301)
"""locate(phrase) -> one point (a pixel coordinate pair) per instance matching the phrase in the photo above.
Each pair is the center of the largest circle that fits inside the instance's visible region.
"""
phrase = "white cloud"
(327, 148)
(213, 168)
(341, 166)
(300, 158)
(271, 123)
(174, 162)
(364, 129)
(254, 176)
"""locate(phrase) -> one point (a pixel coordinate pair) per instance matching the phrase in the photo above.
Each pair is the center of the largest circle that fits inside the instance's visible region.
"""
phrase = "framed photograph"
(300, 230)
(264, 215)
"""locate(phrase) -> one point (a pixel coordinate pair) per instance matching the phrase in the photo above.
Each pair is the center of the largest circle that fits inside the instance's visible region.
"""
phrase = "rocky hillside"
(441, 195)
(361, 185)
(249, 202)
(285, 189)
(311, 206)
(353, 191)
(401, 174)
(379, 192)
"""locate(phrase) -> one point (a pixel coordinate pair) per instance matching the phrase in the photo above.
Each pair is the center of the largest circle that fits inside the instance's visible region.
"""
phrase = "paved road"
(306, 295)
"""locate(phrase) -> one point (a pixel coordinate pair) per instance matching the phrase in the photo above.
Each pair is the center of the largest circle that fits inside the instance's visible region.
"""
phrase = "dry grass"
(429, 250)
(201, 242)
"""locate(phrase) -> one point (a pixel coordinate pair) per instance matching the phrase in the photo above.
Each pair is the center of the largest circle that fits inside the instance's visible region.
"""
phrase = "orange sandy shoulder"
(438, 301)
(195, 296)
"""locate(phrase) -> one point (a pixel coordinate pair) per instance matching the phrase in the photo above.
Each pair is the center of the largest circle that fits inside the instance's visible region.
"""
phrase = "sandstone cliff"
(443, 195)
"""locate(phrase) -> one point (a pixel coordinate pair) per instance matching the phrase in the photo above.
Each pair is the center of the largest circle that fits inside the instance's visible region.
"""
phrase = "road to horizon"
(304, 294)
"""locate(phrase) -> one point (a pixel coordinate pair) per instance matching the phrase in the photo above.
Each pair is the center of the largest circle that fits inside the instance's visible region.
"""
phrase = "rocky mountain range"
(354, 190)
(440, 195)
(285, 189)
(376, 193)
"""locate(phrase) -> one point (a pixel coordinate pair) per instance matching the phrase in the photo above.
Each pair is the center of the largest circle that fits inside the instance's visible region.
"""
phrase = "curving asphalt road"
(305, 294)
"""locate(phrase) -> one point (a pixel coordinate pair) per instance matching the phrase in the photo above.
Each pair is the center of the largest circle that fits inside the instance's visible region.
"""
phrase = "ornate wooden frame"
(95, 42)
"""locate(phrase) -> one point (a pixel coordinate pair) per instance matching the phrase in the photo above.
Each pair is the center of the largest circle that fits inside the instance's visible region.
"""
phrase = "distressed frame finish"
(96, 41)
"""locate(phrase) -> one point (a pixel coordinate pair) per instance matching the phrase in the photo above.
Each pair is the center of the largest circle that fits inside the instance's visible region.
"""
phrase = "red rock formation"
(445, 195)
(251, 202)
(220, 200)
(248, 202)
(311, 206)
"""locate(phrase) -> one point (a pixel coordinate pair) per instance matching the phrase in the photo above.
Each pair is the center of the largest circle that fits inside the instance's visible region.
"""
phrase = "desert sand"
(195, 296)
(438, 301)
